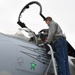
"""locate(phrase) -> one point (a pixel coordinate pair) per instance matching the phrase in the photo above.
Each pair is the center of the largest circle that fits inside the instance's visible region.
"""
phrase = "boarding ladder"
(51, 60)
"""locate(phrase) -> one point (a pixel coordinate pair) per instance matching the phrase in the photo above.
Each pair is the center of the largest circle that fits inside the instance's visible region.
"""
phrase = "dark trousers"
(61, 55)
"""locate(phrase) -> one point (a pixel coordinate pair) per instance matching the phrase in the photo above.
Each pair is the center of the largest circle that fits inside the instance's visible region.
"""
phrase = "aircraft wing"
(71, 50)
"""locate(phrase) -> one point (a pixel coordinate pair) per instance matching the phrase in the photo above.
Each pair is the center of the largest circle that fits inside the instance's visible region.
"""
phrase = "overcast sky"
(62, 11)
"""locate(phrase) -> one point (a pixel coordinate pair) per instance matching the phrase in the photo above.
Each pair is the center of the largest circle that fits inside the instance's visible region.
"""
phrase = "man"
(58, 39)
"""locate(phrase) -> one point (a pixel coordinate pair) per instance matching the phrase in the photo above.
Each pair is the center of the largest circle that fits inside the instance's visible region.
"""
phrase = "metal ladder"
(53, 61)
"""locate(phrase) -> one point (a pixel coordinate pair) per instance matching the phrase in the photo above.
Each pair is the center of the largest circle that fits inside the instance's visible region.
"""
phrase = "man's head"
(48, 20)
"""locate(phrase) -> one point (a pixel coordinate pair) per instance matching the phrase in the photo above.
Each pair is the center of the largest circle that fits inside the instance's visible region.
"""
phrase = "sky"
(62, 12)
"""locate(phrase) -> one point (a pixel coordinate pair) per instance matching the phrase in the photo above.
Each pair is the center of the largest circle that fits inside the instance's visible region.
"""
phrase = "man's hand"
(46, 40)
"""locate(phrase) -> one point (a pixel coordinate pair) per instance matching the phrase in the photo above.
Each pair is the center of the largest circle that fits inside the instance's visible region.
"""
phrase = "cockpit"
(31, 36)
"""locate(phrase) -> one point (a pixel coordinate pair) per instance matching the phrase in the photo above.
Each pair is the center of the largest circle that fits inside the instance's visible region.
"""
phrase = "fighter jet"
(25, 54)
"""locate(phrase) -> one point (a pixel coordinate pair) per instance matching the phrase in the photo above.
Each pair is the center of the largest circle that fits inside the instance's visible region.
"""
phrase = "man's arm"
(52, 29)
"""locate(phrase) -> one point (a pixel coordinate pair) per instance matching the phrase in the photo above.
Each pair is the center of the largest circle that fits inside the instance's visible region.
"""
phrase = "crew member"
(56, 36)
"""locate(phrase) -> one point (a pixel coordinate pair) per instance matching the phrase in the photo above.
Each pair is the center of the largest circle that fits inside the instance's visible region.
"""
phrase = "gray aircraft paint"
(13, 60)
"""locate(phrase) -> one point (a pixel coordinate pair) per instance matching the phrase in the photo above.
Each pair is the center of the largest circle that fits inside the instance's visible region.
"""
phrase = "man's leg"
(62, 57)
(66, 54)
